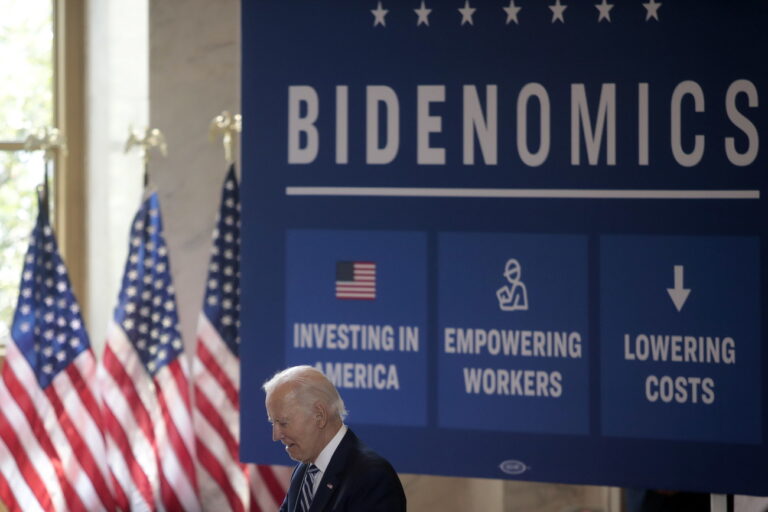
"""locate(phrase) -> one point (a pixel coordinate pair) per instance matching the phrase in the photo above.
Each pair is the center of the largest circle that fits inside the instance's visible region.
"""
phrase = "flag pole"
(48, 140)
(146, 140)
(227, 126)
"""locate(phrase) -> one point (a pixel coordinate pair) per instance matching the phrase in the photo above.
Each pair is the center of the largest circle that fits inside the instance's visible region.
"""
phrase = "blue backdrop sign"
(538, 225)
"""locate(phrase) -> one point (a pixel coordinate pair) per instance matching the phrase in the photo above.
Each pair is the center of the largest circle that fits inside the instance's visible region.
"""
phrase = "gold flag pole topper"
(48, 140)
(146, 140)
(227, 125)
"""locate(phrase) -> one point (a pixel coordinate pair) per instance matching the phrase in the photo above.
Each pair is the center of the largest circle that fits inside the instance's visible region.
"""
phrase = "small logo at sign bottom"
(513, 467)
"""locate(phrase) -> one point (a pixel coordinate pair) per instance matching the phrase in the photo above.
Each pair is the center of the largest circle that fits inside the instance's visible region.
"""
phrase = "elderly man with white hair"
(336, 471)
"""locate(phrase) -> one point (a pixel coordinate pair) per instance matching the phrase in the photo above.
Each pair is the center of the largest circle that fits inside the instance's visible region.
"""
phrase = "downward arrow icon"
(678, 294)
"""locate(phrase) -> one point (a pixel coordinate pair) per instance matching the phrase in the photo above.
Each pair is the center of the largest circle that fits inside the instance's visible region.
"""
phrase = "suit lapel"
(295, 488)
(334, 473)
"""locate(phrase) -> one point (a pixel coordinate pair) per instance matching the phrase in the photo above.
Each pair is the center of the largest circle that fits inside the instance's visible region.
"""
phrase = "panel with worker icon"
(513, 332)
(680, 338)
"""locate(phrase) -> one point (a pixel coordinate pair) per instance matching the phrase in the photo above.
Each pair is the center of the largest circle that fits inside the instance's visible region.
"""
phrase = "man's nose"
(276, 433)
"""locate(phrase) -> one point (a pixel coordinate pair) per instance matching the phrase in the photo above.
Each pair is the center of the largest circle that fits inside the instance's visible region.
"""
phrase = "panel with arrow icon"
(680, 337)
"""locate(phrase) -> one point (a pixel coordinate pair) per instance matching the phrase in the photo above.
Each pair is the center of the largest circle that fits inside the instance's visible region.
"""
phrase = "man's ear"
(321, 415)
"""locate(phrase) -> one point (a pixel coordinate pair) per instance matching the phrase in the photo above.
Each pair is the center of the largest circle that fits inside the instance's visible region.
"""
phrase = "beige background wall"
(194, 74)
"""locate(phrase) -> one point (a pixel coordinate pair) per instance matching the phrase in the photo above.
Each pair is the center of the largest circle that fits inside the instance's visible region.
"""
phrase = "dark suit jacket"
(356, 480)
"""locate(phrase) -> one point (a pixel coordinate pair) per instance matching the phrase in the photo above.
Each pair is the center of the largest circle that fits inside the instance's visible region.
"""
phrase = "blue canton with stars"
(47, 326)
(147, 306)
(222, 297)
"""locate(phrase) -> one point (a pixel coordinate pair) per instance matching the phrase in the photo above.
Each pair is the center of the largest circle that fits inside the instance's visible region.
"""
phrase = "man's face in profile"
(293, 425)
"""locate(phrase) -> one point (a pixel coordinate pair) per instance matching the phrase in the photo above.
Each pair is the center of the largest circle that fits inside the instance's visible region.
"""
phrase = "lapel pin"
(330, 486)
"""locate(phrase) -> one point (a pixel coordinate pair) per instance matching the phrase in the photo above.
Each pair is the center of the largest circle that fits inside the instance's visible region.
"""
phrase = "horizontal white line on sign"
(543, 193)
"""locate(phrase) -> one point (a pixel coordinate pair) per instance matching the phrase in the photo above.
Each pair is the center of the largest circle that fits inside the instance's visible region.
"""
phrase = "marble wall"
(194, 64)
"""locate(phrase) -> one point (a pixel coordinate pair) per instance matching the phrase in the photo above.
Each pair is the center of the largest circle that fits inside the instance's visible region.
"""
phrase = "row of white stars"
(512, 10)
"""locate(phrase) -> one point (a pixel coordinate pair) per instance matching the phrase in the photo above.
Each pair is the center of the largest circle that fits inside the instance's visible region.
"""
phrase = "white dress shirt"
(324, 458)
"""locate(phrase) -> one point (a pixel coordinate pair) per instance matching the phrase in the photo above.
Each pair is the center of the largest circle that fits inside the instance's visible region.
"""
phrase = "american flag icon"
(356, 280)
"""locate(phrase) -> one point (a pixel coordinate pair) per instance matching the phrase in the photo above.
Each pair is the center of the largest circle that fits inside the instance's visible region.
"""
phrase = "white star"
(74, 324)
(176, 344)
(423, 14)
(25, 327)
(48, 351)
(26, 293)
(48, 368)
(653, 10)
(61, 355)
(226, 320)
(74, 342)
(466, 13)
(169, 305)
(61, 286)
(378, 15)
(605, 11)
(212, 300)
(130, 291)
(228, 237)
(557, 11)
(512, 11)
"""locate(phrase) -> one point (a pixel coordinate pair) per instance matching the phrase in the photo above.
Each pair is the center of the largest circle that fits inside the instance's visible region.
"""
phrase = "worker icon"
(512, 297)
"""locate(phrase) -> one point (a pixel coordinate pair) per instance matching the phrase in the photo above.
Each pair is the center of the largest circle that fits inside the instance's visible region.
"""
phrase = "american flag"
(225, 483)
(52, 454)
(356, 280)
(145, 388)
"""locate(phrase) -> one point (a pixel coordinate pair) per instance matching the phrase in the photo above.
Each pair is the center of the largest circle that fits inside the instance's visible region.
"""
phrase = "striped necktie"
(307, 488)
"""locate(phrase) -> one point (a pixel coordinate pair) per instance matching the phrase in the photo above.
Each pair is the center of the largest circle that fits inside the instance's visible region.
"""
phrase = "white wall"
(117, 96)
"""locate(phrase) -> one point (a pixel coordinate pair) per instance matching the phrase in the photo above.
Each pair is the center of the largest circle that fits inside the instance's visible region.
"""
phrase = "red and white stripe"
(225, 483)
(148, 428)
(52, 455)
(363, 284)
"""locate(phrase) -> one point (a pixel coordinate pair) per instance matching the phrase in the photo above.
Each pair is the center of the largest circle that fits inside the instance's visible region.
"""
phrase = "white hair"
(308, 386)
